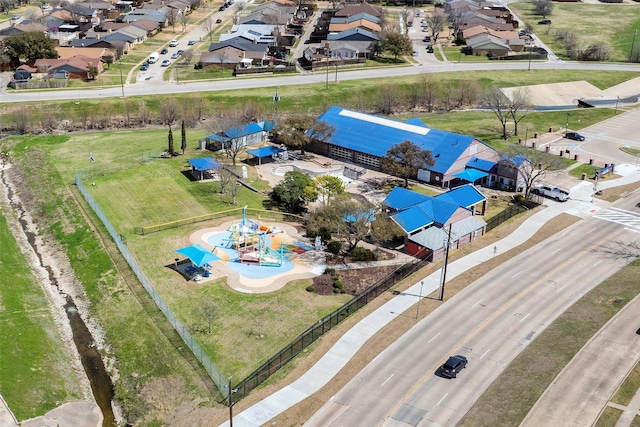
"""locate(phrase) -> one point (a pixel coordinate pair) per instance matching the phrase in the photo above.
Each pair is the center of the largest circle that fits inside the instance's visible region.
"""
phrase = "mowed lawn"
(610, 24)
(36, 373)
(247, 329)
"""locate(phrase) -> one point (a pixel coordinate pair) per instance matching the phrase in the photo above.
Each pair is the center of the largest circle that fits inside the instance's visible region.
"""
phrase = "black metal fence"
(323, 326)
(509, 213)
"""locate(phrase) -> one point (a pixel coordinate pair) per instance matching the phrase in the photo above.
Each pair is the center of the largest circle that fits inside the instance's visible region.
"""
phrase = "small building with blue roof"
(364, 139)
(249, 134)
(427, 221)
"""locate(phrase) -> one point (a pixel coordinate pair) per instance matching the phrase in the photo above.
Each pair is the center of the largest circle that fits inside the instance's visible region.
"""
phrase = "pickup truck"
(551, 192)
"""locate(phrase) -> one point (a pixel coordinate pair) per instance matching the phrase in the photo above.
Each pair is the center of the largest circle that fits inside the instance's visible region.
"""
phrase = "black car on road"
(575, 136)
(453, 366)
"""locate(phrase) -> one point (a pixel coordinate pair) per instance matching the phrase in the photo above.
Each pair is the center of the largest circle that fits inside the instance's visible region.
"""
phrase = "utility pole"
(121, 81)
(419, 299)
(633, 42)
(276, 98)
(230, 404)
(566, 129)
(445, 260)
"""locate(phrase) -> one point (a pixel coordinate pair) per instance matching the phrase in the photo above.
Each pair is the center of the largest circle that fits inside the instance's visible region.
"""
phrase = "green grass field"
(36, 373)
(611, 24)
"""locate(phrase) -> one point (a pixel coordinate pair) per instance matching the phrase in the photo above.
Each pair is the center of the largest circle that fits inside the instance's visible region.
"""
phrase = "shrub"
(330, 271)
(338, 287)
(334, 247)
(310, 288)
(324, 233)
(519, 198)
(362, 254)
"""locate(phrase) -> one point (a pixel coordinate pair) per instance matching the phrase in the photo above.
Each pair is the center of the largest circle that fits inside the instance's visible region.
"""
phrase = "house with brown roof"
(77, 67)
(354, 9)
(234, 52)
(364, 24)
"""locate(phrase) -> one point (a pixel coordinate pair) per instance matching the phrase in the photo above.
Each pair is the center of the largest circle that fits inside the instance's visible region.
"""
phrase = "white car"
(173, 43)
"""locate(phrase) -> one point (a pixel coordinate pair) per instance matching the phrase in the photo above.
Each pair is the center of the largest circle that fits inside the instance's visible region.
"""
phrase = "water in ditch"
(100, 382)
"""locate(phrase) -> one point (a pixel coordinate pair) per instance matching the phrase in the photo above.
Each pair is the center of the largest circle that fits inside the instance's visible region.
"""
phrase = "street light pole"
(230, 404)
(616, 110)
(326, 86)
(566, 129)
(633, 42)
(121, 81)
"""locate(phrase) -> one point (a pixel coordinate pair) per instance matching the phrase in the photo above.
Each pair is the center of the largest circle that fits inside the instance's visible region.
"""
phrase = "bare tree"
(627, 251)
(209, 311)
(519, 106)
(240, 6)
(184, 20)
(429, 91)
(169, 112)
(437, 22)
(187, 56)
(532, 164)
(143, 112)
(543, 7)
(226, 179)
(234, 188)
(172, 18)
(387, 99)
(495, 100)
(208, 25)
(232, 143)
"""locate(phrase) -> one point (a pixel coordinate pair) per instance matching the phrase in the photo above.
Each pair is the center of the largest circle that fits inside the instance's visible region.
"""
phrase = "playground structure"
(250, 240)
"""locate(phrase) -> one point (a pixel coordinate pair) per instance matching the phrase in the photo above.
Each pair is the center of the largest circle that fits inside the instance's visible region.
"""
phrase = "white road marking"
(561, 288)
(522, 320)
(556, 251)
(593, 229)
(385, 381)
(440, 401)
(485, 353)
(434, 337)
(516, 274)
(477, 302)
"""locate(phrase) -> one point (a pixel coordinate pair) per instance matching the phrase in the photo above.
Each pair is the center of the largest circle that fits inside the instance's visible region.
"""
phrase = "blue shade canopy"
(198, 255)
(267, 151)
(471, 175)
(204, 164)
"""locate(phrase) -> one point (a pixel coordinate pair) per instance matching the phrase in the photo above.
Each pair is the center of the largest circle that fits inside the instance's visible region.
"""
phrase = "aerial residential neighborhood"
(293, 213)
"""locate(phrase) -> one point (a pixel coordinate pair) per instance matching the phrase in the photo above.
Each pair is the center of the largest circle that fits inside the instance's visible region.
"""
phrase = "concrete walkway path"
(582, 203)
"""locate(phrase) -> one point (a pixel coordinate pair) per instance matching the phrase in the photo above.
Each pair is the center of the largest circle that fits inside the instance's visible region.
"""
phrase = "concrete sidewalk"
(581, 204)
(345, 348)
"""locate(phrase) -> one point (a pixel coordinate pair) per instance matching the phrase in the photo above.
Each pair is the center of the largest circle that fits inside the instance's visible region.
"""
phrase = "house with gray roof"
(354, 34)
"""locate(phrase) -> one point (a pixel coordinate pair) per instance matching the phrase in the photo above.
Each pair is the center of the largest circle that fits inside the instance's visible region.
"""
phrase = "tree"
(208, 25)
(187, 56)
(295, 191)
(28, 47)
(532, 164)
(495, 100)
(397, 44)
(543, 7)
(170, 142)
(184, 20)
(169, 112)
(329, 186)
(233, 189)
(429, 91)
(384, 229)
(437, 22)
(404, 160)
(296, 131)
(226, 179)
(519, 107)
(346, 217)
(183, 134)
(209, 311)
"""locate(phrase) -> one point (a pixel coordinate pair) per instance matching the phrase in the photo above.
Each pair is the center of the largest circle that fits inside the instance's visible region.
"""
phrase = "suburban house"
(23, 73)
(251, 134)
(354, 34)
(364, 139)
(23, 27)
(355, 9)
(257, 33)
(503, 174)
(453, 217)
(94, 53)
(363, 21)
(486, 44)
(270, 13)
(76, 67)
(234, 52)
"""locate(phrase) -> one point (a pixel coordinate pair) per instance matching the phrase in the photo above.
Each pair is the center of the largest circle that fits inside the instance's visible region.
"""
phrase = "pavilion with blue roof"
(364, 139)
(427, 220)
(249, 134)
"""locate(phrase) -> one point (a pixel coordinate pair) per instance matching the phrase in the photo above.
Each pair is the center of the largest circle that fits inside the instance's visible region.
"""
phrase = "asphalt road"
(489, 322)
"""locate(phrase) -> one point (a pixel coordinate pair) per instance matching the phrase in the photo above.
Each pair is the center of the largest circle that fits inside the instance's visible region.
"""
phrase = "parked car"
(430, 48)
(415, 53)
(551, 192)
(575, 136)
(191, 42)
(453, 366)
(221, 8)
(218, 21)
(426, 39)
(173, 43)
(164, 51)
(179, 52)
(15, 17)
(144, 67)
(165, 63)
(175, 55)
(544, 22)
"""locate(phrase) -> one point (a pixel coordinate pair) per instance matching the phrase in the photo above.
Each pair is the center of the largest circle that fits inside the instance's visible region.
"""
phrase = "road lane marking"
(434, 337)
(485, 353)
(556, 251)
(593, 229)
(440, 401)
(563, 286)
(477, 302)
(524, 317)
(502, 309)
(597, 263)
(517, 274)
(385, 381)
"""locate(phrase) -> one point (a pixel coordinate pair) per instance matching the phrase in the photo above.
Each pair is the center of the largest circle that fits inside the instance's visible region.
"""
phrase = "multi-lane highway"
(489, 322)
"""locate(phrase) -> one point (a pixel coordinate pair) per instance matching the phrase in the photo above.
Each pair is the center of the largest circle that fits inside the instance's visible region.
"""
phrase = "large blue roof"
(204, 164)
(400, 199)
(266, 151)
(481, 164)
(375, 135)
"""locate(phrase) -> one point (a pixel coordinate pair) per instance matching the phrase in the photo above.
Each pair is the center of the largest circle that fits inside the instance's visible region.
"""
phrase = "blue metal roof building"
(364, 139)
